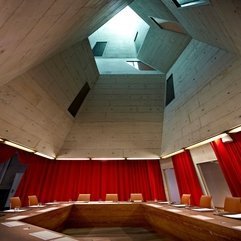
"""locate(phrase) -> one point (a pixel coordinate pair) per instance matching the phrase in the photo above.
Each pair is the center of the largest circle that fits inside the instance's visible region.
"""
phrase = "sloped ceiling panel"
(161, 48)
(215, 24)
(31, 31)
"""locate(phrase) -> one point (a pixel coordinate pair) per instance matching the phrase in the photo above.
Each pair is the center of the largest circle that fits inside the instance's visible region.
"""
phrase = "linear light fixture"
(207, 141)
(18, 146)
(1, 140)
(143, 158)
(73, 158)
(172, 154)
(235, 130)
(44, 155)
(227, 139)
(107, 158)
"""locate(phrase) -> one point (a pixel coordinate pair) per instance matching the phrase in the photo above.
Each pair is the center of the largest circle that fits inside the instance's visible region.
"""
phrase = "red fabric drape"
(63, 180)
(229, 158)
(186, 176)
(6, 152)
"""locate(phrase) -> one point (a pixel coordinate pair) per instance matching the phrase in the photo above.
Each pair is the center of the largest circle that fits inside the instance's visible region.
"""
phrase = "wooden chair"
(186, 199)
(32, 200)
(111, 197)
(15, 202)
(84, 197)
(136, 197)
(232, 204)
(205, 201)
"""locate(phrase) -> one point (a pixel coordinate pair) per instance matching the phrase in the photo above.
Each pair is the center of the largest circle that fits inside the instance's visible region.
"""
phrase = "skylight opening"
(124, 34)
(190, 3)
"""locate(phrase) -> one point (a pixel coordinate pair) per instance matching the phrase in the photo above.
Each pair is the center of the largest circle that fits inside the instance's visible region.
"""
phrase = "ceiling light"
(107, 158)
(172, 154)
(44, 155)
(18, 146)
(73, 158)
(143, 158)
(235, 130)
(207, 141)
(227, 139)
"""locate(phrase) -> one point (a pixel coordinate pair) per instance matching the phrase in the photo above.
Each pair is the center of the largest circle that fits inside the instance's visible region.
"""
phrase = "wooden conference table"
(44, 222)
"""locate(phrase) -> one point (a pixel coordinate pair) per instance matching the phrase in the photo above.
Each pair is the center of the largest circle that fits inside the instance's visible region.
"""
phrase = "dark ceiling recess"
(189, 3)
(169, 25)
(99, 48)
(75, 105)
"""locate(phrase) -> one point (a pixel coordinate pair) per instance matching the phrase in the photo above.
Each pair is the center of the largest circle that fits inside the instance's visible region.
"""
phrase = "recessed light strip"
(235, 130)
(206, 141)
(18, 146)
(44, 155)
(172, 154)
(107, 158)
(73, 158)
(143, 158)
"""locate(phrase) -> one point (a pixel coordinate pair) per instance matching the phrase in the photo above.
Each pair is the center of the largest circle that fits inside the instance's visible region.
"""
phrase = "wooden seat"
(32, 200)
(232, 204)
(84, 197)
(136, 197)
(111, 197)
(205, 201)
(186, 199)
(15, 202)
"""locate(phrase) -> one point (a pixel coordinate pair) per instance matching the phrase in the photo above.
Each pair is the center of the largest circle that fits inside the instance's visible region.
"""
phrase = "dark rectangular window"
(99, 48)
(136, 36)
(77, 102)
(170, 94)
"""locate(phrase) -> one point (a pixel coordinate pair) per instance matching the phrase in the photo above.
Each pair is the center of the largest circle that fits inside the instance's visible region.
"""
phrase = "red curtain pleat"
(186, 176)
(6, 152)
(62, 180)
(229, 158)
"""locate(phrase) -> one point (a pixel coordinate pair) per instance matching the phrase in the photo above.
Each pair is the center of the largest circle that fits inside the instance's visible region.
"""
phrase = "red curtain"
(6, 152)
(229, 158)
(63, 180)
(186, 176)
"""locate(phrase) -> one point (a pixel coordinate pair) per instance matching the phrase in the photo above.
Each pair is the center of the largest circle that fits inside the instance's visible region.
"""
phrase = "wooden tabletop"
(182, 223)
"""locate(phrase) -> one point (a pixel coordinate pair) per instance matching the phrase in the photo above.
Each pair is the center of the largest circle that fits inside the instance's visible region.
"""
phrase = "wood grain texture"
(184, 227)
(106, 215)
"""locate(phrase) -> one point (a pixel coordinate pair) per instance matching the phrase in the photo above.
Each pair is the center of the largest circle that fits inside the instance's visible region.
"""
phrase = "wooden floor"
(115, 234)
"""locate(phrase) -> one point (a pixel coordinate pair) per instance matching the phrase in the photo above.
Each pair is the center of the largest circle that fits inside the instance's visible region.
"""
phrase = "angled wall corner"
(34, 105)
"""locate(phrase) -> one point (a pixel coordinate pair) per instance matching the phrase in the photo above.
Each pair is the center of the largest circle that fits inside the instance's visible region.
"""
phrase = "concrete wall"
(161, 48)
(34, 106)
(207, 97)
(121, 117)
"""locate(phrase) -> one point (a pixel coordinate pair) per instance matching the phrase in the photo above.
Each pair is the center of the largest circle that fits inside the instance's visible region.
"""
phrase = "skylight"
(117, 41)
(189, 3)
(122, 33)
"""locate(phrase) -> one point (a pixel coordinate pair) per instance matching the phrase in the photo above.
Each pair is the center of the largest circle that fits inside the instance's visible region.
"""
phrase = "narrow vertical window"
(170, 94)
(77, 102)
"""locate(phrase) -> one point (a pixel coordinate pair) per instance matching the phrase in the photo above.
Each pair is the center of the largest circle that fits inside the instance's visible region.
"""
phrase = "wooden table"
(182, 223)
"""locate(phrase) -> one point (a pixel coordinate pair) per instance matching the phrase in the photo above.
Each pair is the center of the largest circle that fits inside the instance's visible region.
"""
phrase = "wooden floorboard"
(115, 234)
